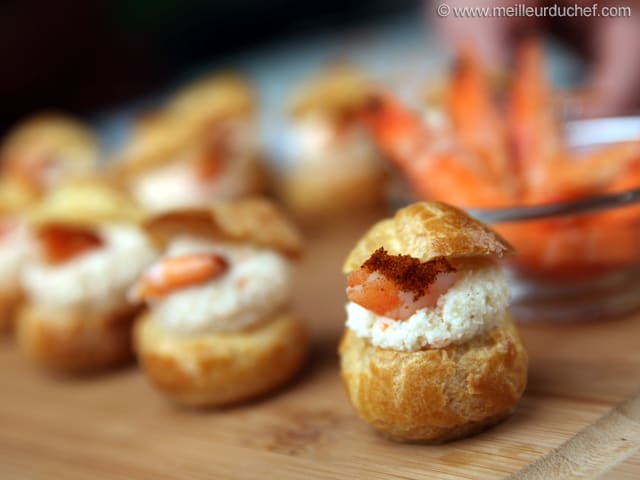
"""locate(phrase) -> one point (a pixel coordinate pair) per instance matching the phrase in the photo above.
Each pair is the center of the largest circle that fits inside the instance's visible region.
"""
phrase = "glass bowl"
(577, 260)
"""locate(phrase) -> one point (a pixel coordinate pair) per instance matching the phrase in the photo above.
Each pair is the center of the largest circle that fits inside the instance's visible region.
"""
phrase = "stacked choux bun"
(200, 146)
(15, 248)
(35, 156)
(449, 369)
(334, 166)
(47, 149)
(193, 348)
(90, 248)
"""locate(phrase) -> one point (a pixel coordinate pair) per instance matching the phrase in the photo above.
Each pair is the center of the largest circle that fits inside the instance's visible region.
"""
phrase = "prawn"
(476, 120)
(435, 166)
(177, 272)
(397, 286)
(62, 243)
(534, 127)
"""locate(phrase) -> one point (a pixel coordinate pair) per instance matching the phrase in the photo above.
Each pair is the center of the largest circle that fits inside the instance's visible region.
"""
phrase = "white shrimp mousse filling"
(475, 303)
(177, 183)
(256, 285)
(16, 245)
(315, 142)
(94, 281)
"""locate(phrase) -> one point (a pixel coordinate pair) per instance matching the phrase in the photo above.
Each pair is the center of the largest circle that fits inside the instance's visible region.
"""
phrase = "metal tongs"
(580, 134)
(576, 207)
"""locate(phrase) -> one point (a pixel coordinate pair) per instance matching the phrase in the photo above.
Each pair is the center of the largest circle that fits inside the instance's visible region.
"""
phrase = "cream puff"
(48, 149)
(219, 329)
(91, 249)
(199, 147)
(333, 165)
(430, 352)
(16, 246)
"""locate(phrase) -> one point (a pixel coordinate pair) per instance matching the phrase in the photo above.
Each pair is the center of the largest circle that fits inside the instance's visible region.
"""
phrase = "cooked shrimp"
(476, 120)
(62, 243)
(396, 286)
(213, 159)
(210, 164)
(436, 167)
(535, 131)
(178, 272)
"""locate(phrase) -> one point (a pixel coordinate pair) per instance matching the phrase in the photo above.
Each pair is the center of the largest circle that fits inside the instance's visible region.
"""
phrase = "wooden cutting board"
(114, 426)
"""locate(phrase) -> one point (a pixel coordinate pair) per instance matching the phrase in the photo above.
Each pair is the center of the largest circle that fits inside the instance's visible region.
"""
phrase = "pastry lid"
(54, 135)
(426, 230)
(14, 196)
(158, 138)
(85, 203)
(180, 127)
(339, 89)
(212, 96)
(252, 220)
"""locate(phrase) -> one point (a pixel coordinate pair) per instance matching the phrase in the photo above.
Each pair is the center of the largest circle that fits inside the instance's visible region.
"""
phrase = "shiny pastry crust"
(316, 195)
(9, 304)
(180, 124)
(250, 220)
(338, 90)
(213, 96)
(435, 395)
(221, 369)
(426, 230)
(73, 342)
(86, 203)
(15, 197)
(53, 132)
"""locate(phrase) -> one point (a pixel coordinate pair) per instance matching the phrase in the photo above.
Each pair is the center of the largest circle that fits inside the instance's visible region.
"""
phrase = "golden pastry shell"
(426, 230)
(252, 220)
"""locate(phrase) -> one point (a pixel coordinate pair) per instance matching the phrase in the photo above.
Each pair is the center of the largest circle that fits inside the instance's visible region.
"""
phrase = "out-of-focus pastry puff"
(202, 145)
(91, 249)
(219, 329)
(48, 149)
(334, 165)
(430, 352)
(16, 245)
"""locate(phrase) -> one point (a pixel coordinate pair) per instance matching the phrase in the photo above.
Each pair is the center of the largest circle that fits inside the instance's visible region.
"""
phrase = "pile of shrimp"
(495, 152)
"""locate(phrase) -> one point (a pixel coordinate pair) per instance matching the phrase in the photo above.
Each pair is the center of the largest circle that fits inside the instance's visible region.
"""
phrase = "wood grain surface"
(113, 426)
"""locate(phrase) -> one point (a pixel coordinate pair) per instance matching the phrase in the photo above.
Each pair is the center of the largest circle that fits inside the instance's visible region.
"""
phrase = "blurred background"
(91, 57)
(88, 57)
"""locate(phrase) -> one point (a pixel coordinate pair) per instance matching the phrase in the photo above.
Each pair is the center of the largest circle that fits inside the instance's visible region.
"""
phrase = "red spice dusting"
(61, 243)
(408, 273)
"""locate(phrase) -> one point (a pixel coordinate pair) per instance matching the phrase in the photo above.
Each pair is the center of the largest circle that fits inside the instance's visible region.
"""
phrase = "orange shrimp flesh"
(175, 273)
(211, 164)
(535, 129)
(396, 286)
(398, 131)
(437, 169)
(63, 243)
(476, 119)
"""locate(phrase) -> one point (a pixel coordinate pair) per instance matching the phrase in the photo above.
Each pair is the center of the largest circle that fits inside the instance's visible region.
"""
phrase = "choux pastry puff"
(16, 246)
(335, 166)
(47, 149)
(219, 329)
(90, 249)
(430, 353)
(201, 145)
